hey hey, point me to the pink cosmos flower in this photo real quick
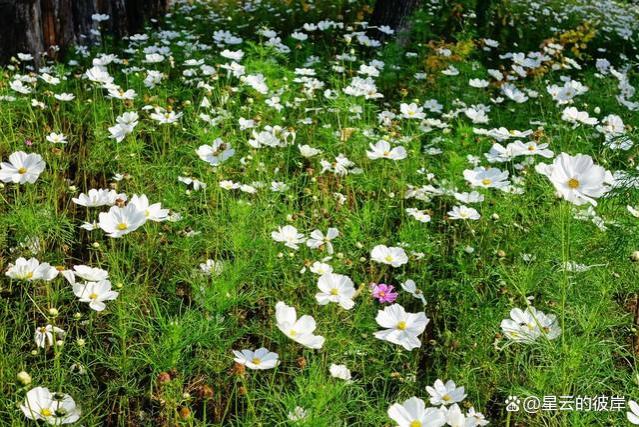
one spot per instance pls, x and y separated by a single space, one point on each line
384 293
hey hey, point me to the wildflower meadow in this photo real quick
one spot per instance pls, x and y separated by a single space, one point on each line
279 213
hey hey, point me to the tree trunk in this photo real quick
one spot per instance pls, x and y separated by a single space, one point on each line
482 10
393 13
45 26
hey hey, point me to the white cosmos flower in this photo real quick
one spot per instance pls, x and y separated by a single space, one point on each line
95 293
99 74
463 212
299 330
152 212
478 83
165 117
44 335
98 197
31 269
259 359
318 239
530 148
412 111
572 115
633 414
340 371
401 328
529 324
382 150
120 221
215 153
456 418
257 82
212 267
64 96
289 236
320 268
53 408
419 215
336 288
124 125
445 394
576 178
472 197
85 272
411 287
413 413
392 256
22 168
487 178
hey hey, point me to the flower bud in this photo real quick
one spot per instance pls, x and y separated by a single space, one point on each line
24 378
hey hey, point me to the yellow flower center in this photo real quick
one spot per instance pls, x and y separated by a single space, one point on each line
334 291
416 423
486 181
46 412
122 226
22 170
401 325
447 398
256 361
573 183
93 295
292 332
388 258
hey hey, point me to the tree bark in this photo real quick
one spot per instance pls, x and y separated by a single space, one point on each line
393 13
46 26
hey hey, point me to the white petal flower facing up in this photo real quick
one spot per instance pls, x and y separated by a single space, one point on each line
445 394
289 236
393 256
22 168
57 138
336 288
463 212
487 178
413 413
120 221
98 197
152 212
259 359
340 371
85 272
401 328
215 153
318 239
30 270
456 418
576 178
529 324
299 330
95 293
382 150
53 408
